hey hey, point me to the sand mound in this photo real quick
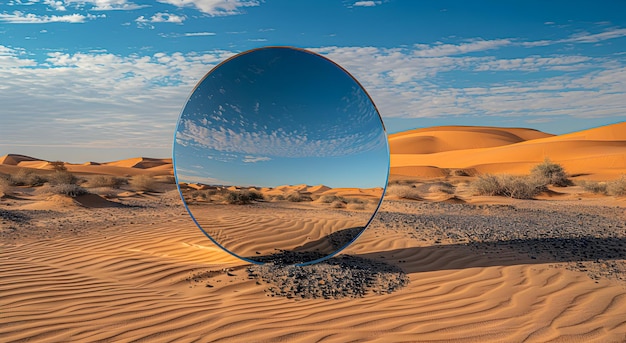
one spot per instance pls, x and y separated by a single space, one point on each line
596 153
15 159
141 162
447 138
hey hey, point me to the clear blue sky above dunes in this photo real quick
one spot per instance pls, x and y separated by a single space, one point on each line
102 80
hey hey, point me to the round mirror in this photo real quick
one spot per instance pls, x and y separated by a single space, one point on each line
281 156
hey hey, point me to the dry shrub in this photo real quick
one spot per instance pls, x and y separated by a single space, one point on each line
328 199
518 187
404 191
68 189
25 177
62 178
552 173
107 181
443 187
143 183
5 185
617 187
243 197
297 197
338 204
594 186
356 206
278 197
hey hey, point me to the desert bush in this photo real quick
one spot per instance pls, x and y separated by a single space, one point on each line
356 206
243 197
5 185
143 183
68 189
338 204
553 173
328 199
487 184
617 187
278 197
297 197
107 181
404 191
25 177
443 187
518 187
593 186
62 178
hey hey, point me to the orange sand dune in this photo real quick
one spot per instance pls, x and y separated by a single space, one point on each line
128 167
598 153
141 162
447 138
15 159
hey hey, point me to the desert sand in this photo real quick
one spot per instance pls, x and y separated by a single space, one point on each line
125 264
596 154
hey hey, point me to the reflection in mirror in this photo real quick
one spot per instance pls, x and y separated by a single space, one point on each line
281 156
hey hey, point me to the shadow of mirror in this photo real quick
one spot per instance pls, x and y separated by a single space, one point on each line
279 149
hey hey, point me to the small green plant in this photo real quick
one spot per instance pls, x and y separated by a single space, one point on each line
552 173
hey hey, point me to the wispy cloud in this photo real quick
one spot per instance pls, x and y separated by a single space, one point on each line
96 5
197 34
438 50
214 7
367 3
255 159
275 143
160 18
18 17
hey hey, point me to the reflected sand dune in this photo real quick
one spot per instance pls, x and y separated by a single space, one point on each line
310 221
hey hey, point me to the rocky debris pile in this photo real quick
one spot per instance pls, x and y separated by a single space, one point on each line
339 277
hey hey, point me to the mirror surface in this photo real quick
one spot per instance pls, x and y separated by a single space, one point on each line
280 156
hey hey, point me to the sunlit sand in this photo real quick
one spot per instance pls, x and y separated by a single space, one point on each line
126 263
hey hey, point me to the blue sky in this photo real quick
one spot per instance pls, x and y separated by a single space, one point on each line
280 116
106 79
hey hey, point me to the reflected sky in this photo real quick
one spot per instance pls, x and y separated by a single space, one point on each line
277 116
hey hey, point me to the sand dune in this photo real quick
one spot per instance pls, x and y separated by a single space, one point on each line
132 166
598 153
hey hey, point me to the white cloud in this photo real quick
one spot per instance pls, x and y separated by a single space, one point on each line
255 159
166 18
159 18
276 143
104 5
366 3
18 17
214 7
196 34
439 50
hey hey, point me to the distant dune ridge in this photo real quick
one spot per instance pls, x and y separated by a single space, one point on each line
598 153
131 166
